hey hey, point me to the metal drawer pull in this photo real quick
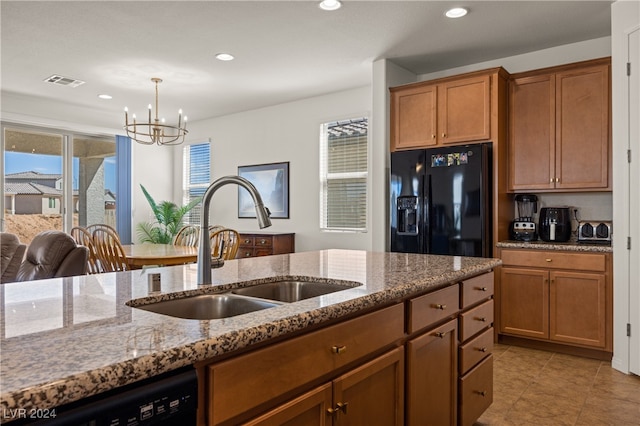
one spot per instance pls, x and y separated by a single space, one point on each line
440 334
263 241
482 288
481 393
338 349
481 319
482 349
439 306
548 260
340 406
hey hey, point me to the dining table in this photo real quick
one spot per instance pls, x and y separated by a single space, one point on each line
139 255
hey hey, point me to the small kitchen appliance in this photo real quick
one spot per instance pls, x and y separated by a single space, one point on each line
595 231
523 228
555 224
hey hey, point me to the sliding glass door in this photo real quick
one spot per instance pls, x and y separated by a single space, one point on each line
55 180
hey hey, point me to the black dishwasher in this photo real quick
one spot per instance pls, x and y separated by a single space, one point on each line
168 399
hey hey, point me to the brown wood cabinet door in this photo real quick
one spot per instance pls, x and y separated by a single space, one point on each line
464 110
577 308
372 394
432 375
413 117
582 128
532 133
309 409
524 302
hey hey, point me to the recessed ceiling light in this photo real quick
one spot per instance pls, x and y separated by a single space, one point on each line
456 12
224 57
330 5
105 96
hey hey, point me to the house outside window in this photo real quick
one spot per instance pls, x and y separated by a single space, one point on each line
344 163
196 177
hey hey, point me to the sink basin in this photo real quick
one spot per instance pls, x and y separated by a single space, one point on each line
208 306
291 290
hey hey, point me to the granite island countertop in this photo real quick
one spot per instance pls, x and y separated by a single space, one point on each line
69 338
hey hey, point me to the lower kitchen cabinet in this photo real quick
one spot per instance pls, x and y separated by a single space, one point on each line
432 375
558 297
476 391
368 395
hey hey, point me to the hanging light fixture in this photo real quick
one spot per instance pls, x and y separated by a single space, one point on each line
156 131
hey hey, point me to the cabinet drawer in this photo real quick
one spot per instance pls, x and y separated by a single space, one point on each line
245 252
555 259
475 289
476 392
475 350
262 241
247 381
476 319
426 310
246 241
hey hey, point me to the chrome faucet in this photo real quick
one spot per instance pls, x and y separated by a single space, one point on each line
204 247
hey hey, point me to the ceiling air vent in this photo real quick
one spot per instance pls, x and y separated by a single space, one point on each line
64 81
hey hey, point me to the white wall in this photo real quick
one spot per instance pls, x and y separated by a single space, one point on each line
287 132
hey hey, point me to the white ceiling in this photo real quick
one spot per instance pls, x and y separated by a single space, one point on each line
284 50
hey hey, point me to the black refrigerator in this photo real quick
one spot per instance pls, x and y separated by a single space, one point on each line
441 201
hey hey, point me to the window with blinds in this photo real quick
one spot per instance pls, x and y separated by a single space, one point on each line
343 175
196 177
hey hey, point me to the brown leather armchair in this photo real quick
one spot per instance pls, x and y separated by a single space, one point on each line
53 254
10 257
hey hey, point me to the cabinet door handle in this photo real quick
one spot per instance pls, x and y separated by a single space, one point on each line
342 406
439 306
444 135
441 334
557 180
550 180
433 136
338 349
481 393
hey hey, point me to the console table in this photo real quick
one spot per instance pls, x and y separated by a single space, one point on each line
265 243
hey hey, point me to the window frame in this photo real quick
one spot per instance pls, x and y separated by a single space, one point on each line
187 186
326 177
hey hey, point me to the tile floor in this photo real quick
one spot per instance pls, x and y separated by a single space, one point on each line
533 387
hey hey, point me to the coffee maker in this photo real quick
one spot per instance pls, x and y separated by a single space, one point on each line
523 228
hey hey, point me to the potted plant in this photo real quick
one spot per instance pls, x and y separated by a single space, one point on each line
168 220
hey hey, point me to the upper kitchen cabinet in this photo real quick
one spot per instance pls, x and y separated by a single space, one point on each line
451 110
559 128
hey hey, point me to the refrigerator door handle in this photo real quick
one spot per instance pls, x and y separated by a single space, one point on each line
426 214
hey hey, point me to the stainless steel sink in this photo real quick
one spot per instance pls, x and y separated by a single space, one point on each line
291 290
208 306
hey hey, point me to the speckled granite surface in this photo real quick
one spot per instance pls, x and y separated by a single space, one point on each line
65 339
571 245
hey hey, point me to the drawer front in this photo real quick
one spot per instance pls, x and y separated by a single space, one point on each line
246 240
476 392
426 310
261 241
267 373
475 350
262 251
245 252
555 259
476 319
476 289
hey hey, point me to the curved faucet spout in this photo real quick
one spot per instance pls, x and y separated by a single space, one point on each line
204 247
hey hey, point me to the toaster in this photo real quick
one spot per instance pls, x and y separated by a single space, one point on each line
595 231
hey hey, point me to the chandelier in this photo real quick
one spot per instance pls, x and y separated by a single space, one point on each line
155 131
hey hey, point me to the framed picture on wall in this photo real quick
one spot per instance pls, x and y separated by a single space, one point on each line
272 182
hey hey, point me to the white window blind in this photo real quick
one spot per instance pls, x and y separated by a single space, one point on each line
196 177
343 175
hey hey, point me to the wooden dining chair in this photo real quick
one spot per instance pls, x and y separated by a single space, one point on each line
108 228
109 251
231 240
84 238
188 235
213 229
